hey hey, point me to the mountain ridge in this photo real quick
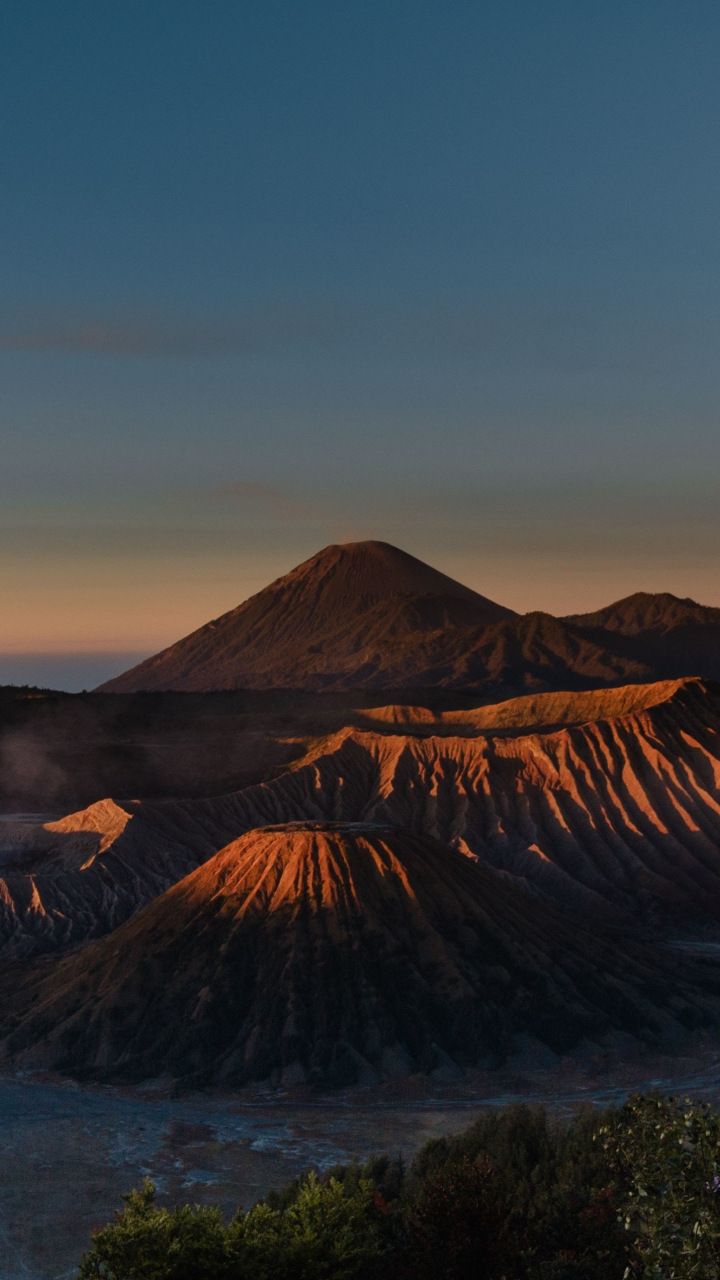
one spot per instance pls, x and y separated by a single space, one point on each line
643 610
367 615
605 802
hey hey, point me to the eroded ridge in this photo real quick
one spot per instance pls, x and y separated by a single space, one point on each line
620 813
336 953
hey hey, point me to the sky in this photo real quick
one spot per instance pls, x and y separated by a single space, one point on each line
278 275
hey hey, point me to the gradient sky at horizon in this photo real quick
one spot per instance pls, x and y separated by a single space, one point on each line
279 275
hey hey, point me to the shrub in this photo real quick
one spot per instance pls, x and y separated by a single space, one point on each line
146 1242
634 1193
667 1154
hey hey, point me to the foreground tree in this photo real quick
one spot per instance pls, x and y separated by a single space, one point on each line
147 1242
458 1226
324 1234
667 1155
518 1196
327 1232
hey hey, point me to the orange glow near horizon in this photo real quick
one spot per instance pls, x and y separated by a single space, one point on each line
59 605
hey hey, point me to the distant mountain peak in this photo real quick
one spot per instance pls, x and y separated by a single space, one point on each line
378 570
655 597
367 615
648 611
349 615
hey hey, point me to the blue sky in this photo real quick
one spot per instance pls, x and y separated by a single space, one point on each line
276 275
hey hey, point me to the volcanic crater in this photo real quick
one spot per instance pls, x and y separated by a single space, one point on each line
468 836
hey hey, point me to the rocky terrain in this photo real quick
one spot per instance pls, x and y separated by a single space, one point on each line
368 616
336 953
365 877
610 806
65 881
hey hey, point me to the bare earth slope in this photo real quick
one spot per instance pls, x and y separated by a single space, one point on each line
368 616
613 807
539 712
623 810
63 882
335 953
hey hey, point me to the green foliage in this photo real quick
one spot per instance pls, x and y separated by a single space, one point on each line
146 1242
324 1234
668 1154
327 1232
633 1193
458 1224
538 1201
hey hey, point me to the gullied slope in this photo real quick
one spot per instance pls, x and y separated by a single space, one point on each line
335 953
621 813
63 882
539 712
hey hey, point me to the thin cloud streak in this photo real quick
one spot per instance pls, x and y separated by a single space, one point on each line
265 328
518 332
278 502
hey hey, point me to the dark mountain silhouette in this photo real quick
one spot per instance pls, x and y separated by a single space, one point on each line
646 612
668 635
335 953
366 615
343 617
